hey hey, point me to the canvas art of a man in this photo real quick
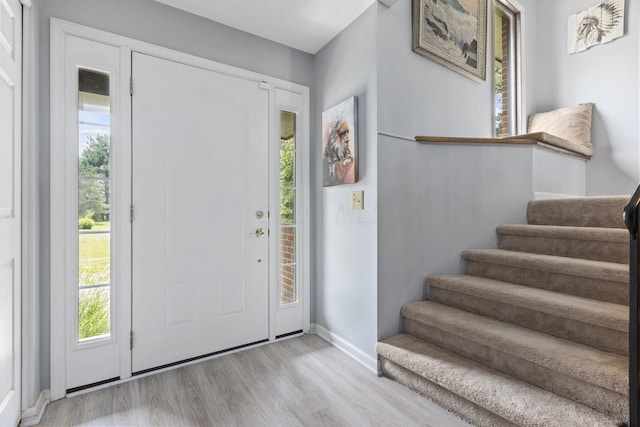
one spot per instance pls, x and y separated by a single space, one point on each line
339 162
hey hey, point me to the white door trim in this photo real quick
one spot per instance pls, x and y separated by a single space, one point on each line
59 259
31 392
11 213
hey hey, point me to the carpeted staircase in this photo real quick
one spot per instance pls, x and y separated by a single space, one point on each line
536 332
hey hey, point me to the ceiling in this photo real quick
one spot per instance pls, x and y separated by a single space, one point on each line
306 25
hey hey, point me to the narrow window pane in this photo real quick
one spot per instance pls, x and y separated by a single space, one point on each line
94 313
501 64
287 168
288 245
94 187
93 266
288 194
288 288
95 145
288 206
505 69
499 100
288 130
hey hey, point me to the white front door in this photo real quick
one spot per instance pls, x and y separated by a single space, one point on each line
200 212
10 212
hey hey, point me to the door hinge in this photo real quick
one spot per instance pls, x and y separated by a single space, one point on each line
131 213
264 85
131 340
130 86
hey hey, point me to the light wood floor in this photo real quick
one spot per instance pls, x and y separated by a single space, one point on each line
302 381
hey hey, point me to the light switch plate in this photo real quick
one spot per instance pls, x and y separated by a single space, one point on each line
357 200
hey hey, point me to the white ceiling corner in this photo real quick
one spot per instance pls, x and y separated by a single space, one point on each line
305 25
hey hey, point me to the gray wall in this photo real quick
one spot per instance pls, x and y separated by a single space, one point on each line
345 247
436 200
606 75
155 23
420 97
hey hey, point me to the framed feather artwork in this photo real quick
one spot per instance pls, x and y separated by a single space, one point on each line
596 25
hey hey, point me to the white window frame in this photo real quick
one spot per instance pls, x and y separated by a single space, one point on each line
284 317
516 102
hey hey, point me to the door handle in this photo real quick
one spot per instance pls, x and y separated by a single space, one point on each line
259 232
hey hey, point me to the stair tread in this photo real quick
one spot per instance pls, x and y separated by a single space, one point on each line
605 314
582 211
515 400
603 270
599 234
588 364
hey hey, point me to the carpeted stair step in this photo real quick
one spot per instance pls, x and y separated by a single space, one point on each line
578 212
598 324
593 243
598 280
483 396
583 374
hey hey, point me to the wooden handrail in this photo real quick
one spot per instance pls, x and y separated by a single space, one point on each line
472 140
541 139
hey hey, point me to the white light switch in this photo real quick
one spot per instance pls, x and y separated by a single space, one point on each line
357 200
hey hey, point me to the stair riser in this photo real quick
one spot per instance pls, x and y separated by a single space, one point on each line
578 213
596 336
513 400
458 405
602 400
617 252
598 289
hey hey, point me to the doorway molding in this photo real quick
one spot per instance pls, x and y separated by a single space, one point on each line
59 258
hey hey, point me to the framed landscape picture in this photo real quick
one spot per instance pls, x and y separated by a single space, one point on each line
452 33
340 144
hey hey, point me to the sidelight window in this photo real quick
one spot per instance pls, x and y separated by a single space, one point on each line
288 214
94 230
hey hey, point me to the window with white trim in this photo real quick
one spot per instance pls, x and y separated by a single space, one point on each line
94 234
506 72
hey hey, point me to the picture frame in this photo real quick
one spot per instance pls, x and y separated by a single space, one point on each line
452 33
596 25
340 143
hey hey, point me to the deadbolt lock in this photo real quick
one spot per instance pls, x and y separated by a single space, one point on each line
259 214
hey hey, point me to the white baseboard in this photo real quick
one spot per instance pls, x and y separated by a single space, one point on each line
366 360
32 416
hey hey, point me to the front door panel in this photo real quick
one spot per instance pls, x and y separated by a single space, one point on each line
200 262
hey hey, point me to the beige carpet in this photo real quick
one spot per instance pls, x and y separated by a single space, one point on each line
536 332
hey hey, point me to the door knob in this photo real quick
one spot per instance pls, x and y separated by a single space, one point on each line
259 232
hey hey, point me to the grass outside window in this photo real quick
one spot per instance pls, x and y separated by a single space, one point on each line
94 269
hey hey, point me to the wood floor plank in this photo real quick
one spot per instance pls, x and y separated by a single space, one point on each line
301 381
